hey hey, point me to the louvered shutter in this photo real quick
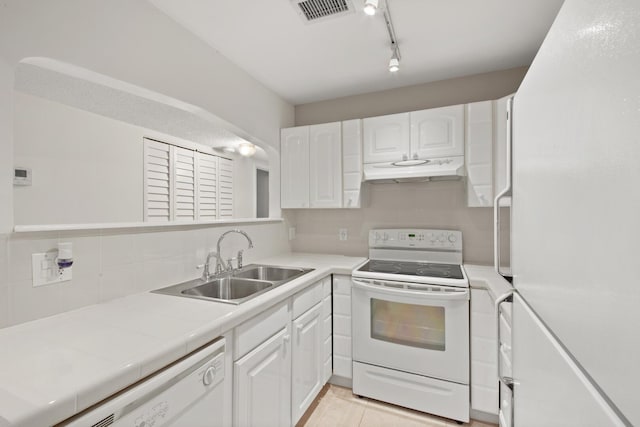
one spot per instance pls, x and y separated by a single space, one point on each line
157 181
184 184
225 188
207 187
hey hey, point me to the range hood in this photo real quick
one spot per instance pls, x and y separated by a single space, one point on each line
415 170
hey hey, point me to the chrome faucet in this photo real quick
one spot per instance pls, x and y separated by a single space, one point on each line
206 274
220 263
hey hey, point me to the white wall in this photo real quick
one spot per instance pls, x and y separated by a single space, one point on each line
134 42
88 168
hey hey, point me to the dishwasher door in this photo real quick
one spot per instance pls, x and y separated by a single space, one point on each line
190 392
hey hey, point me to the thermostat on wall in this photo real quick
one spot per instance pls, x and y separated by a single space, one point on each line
21 176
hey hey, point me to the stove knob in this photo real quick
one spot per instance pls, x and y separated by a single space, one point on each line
385 237
376 236
452 238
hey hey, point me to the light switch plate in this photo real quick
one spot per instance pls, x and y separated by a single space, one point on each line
45 270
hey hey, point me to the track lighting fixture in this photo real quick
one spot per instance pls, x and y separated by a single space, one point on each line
394 64
370 7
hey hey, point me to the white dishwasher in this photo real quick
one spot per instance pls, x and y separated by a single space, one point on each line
190 392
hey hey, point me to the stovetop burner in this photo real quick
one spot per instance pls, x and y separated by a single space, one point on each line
444 271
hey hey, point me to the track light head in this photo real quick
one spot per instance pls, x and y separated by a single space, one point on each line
370 7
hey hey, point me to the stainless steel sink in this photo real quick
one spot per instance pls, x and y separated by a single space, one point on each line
270 273
238 286
228 288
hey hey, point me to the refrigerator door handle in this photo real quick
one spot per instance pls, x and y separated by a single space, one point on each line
504 193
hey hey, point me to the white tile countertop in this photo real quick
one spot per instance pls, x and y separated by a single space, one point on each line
485 277
53 368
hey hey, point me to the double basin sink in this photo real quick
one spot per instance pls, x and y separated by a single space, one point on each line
236 286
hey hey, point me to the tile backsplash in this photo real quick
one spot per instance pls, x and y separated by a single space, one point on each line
438 205
113 263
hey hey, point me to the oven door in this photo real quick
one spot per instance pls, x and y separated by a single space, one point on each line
422 329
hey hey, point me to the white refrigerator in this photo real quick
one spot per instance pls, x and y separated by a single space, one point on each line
575 252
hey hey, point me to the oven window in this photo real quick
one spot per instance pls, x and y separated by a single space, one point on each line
408 324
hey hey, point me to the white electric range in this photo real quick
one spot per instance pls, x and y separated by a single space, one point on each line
410 321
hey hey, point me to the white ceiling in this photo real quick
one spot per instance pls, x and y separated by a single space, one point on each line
348 54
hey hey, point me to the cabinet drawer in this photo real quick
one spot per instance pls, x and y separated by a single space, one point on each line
255 331
304 300
342 305
342 285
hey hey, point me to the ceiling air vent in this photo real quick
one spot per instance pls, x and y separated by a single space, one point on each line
316 10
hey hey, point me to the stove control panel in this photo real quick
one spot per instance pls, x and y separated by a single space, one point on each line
405 238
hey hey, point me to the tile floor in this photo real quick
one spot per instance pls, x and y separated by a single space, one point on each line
339 407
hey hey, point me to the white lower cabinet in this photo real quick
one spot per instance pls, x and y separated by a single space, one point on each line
342 329
262 383
282 364
484 364
307 362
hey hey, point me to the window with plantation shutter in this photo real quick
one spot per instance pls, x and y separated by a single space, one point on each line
185 185
184 182
207 187
157 181
225 188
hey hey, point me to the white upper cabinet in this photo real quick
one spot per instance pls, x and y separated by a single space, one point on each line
386 138
294 161
325 170
311 167
351 163
479 154
437 132
501 155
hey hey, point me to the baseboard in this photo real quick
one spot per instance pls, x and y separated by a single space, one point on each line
341 381
485 417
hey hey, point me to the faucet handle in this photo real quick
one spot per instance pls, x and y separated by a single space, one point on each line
240 252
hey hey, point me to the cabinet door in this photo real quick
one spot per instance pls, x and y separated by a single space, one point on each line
325 166
351 162
262 384
307 363
294 163
484 364
500 156
479 154
342 359
386 138
437 132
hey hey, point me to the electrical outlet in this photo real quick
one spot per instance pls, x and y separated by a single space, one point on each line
46 271
342 234
292 233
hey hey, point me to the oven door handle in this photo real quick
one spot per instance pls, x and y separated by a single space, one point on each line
458 294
